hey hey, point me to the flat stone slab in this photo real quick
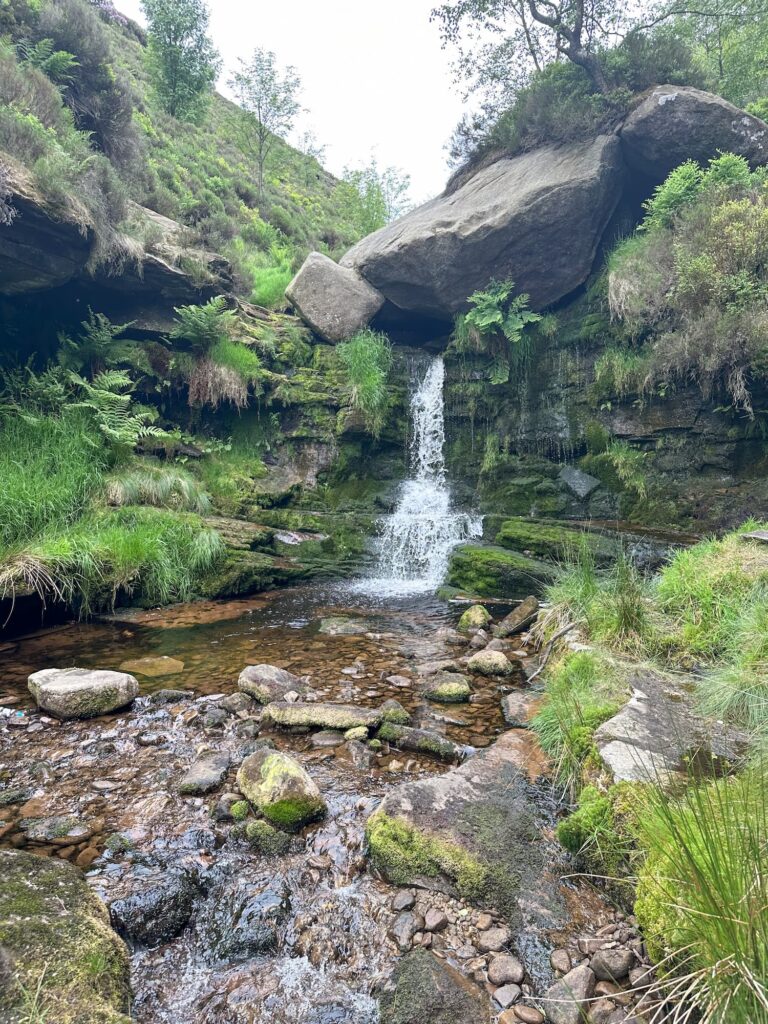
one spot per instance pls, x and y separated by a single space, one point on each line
205 774
81 692
267 683
153 667
658 733
322 716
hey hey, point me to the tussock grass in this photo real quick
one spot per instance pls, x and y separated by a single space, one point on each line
366 360
157 485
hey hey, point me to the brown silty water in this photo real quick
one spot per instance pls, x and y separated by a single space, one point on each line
303 937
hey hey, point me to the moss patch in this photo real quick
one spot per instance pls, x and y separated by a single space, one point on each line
496 572
267 840
553 541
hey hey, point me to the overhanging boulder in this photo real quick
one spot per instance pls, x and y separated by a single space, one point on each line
536 218
334 301
676 123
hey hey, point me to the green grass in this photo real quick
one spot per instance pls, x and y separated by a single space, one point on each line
702 898
366 360
239 358
50 469
144 482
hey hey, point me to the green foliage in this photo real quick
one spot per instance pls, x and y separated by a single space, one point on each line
108 399
703 892
374 196
95 347
204 326
148 483
366 360
584 690
182 59
58 65
239 358
620 373
495 325
694 277
602 829
50 469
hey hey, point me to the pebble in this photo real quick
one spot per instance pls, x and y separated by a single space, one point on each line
493 940
560 961
403 900
507 995
528 1015
404 928
435 920
484 921
504 969
612 964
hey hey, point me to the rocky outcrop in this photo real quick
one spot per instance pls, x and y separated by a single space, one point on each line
53 929
334 301
80 692
675 123
536 218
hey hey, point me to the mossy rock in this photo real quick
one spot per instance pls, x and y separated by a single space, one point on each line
497 572
277 786
393 711
475 617
427 990
246 572
420 741
322 716
447 688
57 934
554 541
266 839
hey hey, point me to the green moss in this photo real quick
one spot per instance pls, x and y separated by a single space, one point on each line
419 740
375 745
267 840
240 810
475 617
602 830
447 688
553 540
58 933
496 572
402 853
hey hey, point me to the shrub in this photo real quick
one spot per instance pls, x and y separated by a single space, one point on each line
366 360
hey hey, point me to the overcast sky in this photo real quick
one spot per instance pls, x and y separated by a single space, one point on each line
375 78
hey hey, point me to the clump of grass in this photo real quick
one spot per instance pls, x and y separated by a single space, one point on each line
582 691
161 486
239 358
738 691
50 469
154 555
703 897
366 360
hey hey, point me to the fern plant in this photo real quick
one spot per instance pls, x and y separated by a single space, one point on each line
204 326
58 65
95 348
108 399
495 325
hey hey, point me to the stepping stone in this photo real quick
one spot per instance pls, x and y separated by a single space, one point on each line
81 692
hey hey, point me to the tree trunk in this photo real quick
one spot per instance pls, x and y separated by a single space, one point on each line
592 66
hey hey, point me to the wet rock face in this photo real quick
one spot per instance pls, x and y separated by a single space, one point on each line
81 693
677 123
424 988
536 218
52 928
238 924
280 789
334 301
205 774
159 912
267 683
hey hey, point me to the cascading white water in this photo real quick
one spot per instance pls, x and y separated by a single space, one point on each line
418 537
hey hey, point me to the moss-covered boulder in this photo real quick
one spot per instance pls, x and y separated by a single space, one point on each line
554 541
495 572
475 617
56 936
392 711
81 692
277 786
447 688
322 716
421 741
427 989
474 831
266 683
490 663
266 839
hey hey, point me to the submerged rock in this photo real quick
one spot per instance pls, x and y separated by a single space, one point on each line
266 839
154 667
392 711
238 924
53 928
343 625
81 692
447 688
426 989
322 716
267 683
277 786
334 301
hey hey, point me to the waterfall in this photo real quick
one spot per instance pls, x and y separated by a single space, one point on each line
417 539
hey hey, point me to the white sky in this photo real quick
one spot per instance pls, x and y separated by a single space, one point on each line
375 78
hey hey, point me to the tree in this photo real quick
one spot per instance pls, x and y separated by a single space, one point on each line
314 154
267 105
375 197
182 59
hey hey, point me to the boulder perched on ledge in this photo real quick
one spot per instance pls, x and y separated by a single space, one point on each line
334 301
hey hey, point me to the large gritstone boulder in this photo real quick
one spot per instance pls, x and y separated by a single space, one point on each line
675 123
334 301
81 692
536 218
53 930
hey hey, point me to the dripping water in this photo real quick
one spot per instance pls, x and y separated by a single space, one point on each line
417 539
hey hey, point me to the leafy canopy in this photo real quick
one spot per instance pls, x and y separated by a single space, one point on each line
183 61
